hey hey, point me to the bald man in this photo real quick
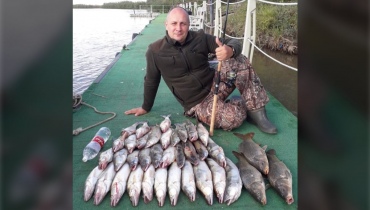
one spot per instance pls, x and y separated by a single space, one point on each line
181 59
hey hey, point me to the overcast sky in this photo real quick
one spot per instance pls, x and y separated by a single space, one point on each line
100 2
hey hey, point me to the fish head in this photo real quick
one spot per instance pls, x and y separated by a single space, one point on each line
285 190
257 190
262 164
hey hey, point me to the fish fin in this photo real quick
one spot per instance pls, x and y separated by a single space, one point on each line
271 152
237 154
264 147
267 186
244 136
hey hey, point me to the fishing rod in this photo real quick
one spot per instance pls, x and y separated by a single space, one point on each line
215 97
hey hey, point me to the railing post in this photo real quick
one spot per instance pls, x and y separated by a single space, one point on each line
250 30
218 21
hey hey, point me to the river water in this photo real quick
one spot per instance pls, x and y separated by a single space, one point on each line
98 34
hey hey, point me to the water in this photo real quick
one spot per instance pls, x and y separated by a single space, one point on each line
98 34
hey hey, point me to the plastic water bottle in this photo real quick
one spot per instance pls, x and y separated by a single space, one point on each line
95 145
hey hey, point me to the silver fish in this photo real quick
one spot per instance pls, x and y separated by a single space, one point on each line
169 155
203 133
141 142
188 181
90 182
180 156
104 183
203 180
118 186
144 158
201 149
234 183
133 159
131 129
134 185
280 177
165 124
156 153
144 129
166 138
174 183
181 131
190 153
252 179
218 178
160 185
148 183
154 136
216 152
175 139
254 154
105 158
119 143
119 158
192 130
130 143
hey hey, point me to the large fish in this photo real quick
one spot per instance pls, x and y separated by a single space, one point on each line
141 142
134 185
144 158
160 185
181 131
252 179
188 181
104 184
90 182
144 129
203 133
203 180
156 153
169 156
148 183
166 138
280 177
192 130
180 156
254 154
154 136
118 186
190 153
174 183
130 143
133 159
105 158
234 183
165 124
119 143
131 129
201 149
218 178
119 158
216 152
175 139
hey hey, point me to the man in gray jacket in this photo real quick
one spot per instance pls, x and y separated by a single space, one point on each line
181 58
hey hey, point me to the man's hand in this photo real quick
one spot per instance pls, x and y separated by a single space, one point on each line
137 111
223 51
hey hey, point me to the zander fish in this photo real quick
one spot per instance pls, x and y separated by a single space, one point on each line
133 159
134 185
190 153
252 179
160 185
148 183
105 158
192 130
168 157
201 149
154 136
156 153
180 156
254 154
165 124
144 129
280 177
188 181
90 182
119 158
104 184
175 139
174 183
144 158
130 143
166 138
216 152
203 133
218 178
118 186
203 180
234 183
181 131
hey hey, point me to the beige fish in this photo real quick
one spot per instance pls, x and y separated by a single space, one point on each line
181 131
148 183
165 124
131 129
119 183
154 136
203 133
156 153
201 149
145 159
141 142
188 181
192 130
203 180
174 183
134 185
160 185
166 138
218 178
104 184
234 183
119 158
105 158
216 152
169 156
133 159
119 143
91 181
144 129
130 143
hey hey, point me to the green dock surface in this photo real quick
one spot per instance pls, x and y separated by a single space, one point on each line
122 89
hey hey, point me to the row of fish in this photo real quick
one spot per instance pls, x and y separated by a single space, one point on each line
254 162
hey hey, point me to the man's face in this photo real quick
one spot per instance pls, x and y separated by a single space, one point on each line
177 24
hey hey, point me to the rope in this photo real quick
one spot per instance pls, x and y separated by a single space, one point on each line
78 101
276 3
